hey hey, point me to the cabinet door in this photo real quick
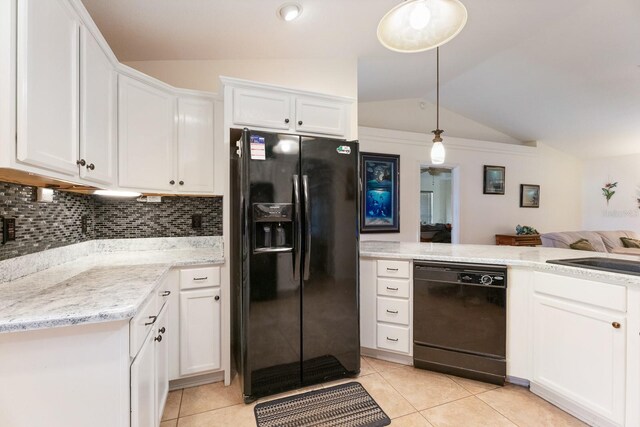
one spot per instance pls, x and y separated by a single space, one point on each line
321 116
195 145
146 136
163 335
262 108
579 352
47 79
143 381
199 330
98 113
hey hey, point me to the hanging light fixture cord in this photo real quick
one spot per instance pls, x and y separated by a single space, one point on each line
438 131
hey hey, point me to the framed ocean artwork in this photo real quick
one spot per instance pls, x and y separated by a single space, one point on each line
380 201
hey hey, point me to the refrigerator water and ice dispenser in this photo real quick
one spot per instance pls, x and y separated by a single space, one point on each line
273 227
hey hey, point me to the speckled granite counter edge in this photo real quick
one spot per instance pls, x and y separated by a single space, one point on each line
582 273
15 268
121 313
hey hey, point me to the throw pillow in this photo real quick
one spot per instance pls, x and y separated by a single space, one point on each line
582 245
628 242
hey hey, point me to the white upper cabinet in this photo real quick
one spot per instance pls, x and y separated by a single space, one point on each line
321 116
195 145
262 108
98 112
47 85
258 105
146 136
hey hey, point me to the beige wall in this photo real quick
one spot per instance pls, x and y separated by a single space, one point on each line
482 216
623 210
332 77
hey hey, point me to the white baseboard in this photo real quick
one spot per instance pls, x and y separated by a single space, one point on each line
196 380
387 355
571 407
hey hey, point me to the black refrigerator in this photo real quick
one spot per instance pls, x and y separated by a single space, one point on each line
294 258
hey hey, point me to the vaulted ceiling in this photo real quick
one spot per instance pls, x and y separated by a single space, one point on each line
563 72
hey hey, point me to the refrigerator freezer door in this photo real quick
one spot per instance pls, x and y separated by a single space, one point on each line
272 293
330 319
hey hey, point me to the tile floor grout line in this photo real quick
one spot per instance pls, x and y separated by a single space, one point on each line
509 419
397 391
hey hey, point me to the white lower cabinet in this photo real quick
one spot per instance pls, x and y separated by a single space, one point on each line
386 306
143 392
579 348
199 330
150 375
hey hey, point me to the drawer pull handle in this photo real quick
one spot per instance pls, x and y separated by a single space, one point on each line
616 325
392 289
392 269
392 339
162 330
392 312
200 278
166 293
152 321
158 338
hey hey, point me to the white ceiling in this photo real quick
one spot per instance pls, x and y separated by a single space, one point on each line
563 72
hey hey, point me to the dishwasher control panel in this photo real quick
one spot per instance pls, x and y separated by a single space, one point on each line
481 278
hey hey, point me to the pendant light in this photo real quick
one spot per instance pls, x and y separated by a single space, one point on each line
437 149
419 25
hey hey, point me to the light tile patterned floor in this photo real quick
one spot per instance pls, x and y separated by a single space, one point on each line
410 397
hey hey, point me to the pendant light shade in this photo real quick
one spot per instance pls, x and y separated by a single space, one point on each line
419 25
437 153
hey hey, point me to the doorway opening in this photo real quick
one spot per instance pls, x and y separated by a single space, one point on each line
437 207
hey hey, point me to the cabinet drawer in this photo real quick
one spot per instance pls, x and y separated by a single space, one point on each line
393 287
195 278
394 338
393 311
141 324
393 269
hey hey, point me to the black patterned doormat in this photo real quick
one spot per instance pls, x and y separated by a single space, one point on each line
345 405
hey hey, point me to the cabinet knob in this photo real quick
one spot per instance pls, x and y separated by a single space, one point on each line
91 166
181 183
616 325
158 338
172 182
299 122
217 297
81 162
286 120
162 330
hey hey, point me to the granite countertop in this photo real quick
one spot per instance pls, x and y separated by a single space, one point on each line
97 287
521 256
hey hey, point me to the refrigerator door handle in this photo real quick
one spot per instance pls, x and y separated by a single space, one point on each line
307 226
297 250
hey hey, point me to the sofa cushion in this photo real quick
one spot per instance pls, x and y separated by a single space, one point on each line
611 239
628 242
566 238
582 245
626 251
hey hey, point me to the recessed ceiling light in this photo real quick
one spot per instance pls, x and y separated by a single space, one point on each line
289 11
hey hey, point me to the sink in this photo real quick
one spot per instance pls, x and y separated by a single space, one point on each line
613 265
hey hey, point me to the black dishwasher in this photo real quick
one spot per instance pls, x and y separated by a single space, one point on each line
459 319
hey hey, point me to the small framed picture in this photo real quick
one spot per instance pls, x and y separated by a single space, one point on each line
494 179
380 193
529 196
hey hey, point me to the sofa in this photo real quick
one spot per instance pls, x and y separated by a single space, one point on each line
602 241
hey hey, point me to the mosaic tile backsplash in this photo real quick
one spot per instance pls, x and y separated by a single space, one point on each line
41 226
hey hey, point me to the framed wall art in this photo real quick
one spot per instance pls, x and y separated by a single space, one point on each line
379 207
529 196
494 179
